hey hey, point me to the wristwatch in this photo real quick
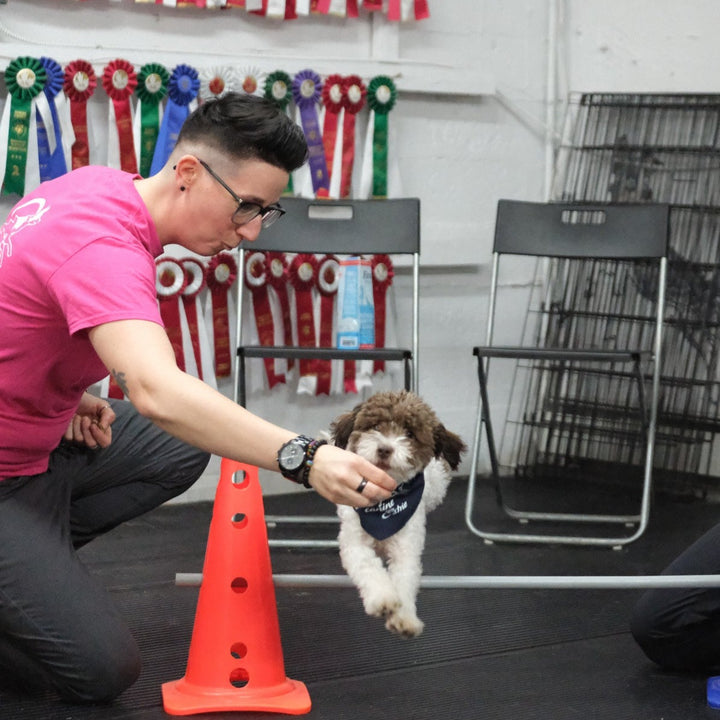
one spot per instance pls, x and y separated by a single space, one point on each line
291 458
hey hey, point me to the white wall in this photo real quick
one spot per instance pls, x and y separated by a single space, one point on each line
471 126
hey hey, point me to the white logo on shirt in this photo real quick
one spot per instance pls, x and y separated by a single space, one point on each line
22 216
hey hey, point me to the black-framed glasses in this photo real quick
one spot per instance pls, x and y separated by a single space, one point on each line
247 210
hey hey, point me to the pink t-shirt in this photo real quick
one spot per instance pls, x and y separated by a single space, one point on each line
75 253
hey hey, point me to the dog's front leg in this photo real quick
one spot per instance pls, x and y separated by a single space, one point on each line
364 567
404 550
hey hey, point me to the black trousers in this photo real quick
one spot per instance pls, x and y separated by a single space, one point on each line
679 629
59 628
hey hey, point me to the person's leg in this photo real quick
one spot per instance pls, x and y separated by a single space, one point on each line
142 468
679 629
58 629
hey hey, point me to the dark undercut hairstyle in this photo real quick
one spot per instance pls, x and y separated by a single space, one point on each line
247 127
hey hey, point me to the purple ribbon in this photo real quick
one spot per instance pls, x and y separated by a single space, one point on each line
307 91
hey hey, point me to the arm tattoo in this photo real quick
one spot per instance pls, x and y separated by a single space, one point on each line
120 380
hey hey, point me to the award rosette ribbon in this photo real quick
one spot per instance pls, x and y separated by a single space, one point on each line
277 276
306 91
51 147
80 84
119 81
327 283
333 93
152 87
169 283
216 82
194 283
353 101
183 88
25 79
278 89
256 273
303 274
251 80
382 276
381 97
220 275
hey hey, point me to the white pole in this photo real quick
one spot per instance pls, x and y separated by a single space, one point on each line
485 582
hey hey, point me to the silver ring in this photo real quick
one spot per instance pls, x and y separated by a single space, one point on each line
361 486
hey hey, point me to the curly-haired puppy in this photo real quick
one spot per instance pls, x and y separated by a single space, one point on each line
381 547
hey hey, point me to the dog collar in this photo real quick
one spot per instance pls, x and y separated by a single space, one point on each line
387 517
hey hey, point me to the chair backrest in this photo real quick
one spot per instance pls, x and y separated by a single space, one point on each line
588 230
344 227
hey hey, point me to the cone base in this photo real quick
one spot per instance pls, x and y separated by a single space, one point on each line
182 698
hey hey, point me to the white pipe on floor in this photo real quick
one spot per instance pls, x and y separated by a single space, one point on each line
484 582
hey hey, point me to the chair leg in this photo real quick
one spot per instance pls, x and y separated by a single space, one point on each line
641 519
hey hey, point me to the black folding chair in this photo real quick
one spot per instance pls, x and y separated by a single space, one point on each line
630 241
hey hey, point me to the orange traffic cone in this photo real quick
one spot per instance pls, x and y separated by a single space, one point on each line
235 660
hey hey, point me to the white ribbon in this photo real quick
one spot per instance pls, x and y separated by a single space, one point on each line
276 9
32 167
302 7
67 132
338 7
251 5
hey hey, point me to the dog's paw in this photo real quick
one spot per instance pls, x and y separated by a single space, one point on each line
405 625
381 606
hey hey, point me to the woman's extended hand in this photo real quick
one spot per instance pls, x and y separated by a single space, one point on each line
339 476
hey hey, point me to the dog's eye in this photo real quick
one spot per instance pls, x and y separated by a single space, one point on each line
409 434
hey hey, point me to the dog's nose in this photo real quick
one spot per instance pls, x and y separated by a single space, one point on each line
384 452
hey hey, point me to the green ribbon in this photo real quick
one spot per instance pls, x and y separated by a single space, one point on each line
152 87
278 89
381 97
25 78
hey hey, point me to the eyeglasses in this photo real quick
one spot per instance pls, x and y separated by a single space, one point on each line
246 210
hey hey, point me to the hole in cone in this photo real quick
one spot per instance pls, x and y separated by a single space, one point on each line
240 478
238 650
239 520
239 585
239 677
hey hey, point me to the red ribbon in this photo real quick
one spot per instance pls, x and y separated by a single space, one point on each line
303 275
333 93
256 282
328 279
170 282
352 9
220 275
277 276
353 101
80 83
382 274
422 11
194 283
120 80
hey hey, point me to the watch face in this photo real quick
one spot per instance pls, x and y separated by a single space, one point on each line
292 456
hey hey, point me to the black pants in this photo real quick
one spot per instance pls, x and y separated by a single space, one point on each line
679 629
58 628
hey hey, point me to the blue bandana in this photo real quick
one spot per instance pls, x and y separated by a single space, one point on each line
386 518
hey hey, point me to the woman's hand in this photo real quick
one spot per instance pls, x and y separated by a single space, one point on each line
339 475
91 423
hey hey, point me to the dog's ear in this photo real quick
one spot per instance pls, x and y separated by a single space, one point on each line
342 426
448 445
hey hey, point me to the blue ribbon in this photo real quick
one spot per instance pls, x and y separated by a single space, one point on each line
183 86
391 515
52 165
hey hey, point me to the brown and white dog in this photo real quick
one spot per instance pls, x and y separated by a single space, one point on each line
381 547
